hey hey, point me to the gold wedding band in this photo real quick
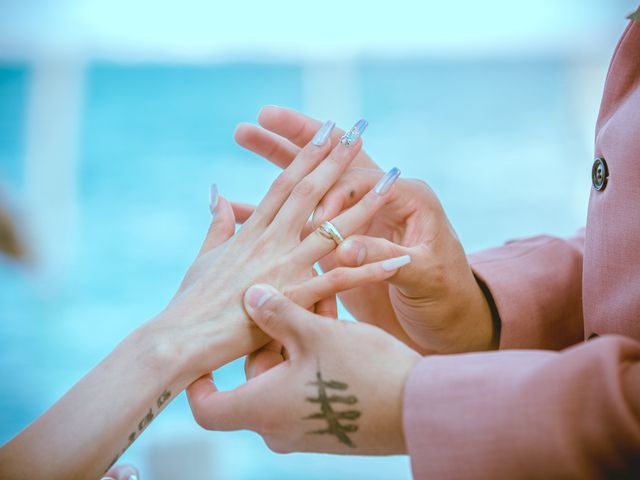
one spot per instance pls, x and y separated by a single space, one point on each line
329 231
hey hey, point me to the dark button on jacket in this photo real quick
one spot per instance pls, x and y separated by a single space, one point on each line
599 174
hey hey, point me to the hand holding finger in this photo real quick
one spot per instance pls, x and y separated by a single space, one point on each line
348 222
341 279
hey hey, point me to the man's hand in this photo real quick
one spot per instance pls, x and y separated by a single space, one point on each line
340 391
434 305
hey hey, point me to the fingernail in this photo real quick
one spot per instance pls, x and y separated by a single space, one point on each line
321 136
355 133
107 478
256 296
213 198
133 477
358 248
397 262
385 183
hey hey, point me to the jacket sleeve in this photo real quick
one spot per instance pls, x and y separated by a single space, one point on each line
523 413
536 284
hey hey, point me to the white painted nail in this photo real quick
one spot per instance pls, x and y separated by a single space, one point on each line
213 198
387 181
395 263
321 136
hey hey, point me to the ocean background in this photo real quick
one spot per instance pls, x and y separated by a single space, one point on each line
504 140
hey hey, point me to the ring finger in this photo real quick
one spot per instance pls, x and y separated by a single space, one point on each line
316 246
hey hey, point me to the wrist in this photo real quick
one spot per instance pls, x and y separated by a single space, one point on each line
475 320
189 346
161 353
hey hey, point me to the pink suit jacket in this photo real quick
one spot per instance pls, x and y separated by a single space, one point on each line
544 413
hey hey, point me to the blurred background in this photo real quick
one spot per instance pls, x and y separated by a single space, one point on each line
115 116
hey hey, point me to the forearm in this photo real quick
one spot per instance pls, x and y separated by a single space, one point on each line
83 433
538 413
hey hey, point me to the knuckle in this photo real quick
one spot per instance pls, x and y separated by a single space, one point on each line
277 446
339 277
269 314
283 183
200 416
304 188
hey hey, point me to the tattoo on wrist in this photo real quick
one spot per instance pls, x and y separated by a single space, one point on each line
144 423
332 417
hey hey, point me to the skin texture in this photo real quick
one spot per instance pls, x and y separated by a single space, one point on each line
203 327
434 305
325 397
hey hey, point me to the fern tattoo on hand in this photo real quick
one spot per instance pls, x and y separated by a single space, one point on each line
332 417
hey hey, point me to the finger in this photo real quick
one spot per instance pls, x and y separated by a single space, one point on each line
215 410
281 318
345 278
242 211
281 189
316 246
262 360
237 409
346 192
123 472
292 125
274 148
362 249
327 307
308 192
222 227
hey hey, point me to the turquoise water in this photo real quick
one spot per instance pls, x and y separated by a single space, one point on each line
499 141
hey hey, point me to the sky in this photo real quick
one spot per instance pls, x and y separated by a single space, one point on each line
205 29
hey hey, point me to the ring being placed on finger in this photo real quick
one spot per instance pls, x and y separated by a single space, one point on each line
329 231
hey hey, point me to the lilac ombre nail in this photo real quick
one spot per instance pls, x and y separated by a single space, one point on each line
355 133
385 183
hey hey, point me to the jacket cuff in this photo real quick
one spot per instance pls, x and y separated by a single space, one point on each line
536 284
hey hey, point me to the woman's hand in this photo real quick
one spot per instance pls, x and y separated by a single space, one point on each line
340 391
206 319
434 304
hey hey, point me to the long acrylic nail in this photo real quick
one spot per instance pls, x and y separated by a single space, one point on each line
321 136
213 198
355 133
385 183
395 263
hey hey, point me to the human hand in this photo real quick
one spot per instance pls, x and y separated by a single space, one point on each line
340 391
434 304
205 324
122 472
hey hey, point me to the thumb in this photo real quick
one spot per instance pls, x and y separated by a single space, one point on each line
279 317
358 250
